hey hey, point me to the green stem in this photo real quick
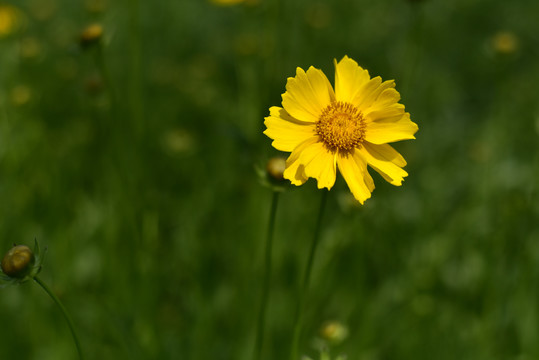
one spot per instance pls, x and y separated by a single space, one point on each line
298 322
135 90
103 69
64 312
266 280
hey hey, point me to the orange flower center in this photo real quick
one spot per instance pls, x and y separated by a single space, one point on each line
341 126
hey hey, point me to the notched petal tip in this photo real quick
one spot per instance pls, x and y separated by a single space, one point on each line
299 71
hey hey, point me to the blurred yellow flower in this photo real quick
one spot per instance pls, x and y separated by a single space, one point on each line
95 6
10 20
43 9
226 2
318 15
21 94
91 35
30 47
505 42
346 128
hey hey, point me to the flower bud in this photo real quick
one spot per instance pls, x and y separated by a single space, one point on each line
91 35
275 168
334 332
18 262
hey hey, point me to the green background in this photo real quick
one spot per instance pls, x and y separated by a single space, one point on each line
134 164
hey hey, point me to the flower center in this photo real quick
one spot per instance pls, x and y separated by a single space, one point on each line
341 126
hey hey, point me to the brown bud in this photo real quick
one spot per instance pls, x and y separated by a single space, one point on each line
18 261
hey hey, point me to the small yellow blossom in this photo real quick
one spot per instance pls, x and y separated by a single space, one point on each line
43 9
227 2
95 6
318 15
10 20
30 48
505 42
21 95
347 128
91 35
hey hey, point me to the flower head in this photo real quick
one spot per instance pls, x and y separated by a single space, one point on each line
345 128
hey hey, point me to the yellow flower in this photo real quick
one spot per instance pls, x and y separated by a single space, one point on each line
226 2
346 128
505 42
10 20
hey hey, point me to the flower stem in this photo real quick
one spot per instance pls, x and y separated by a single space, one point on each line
266 280
64 312
105 74
298 322
135 89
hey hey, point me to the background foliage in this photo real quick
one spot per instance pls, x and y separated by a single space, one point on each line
133 163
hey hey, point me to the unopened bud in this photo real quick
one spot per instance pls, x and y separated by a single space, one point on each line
334 332
275 168
18 262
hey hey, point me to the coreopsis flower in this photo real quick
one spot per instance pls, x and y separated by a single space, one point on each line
345 128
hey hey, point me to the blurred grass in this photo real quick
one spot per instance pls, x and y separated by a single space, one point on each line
154 219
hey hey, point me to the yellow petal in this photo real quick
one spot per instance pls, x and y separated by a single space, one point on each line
392 113
307 94
371 91
294 167
354 170
382 132
349 79
287 133
319 163
387 98
386 161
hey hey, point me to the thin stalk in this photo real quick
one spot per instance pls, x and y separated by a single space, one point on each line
103 69
64 312
135 89
298 322
259 342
